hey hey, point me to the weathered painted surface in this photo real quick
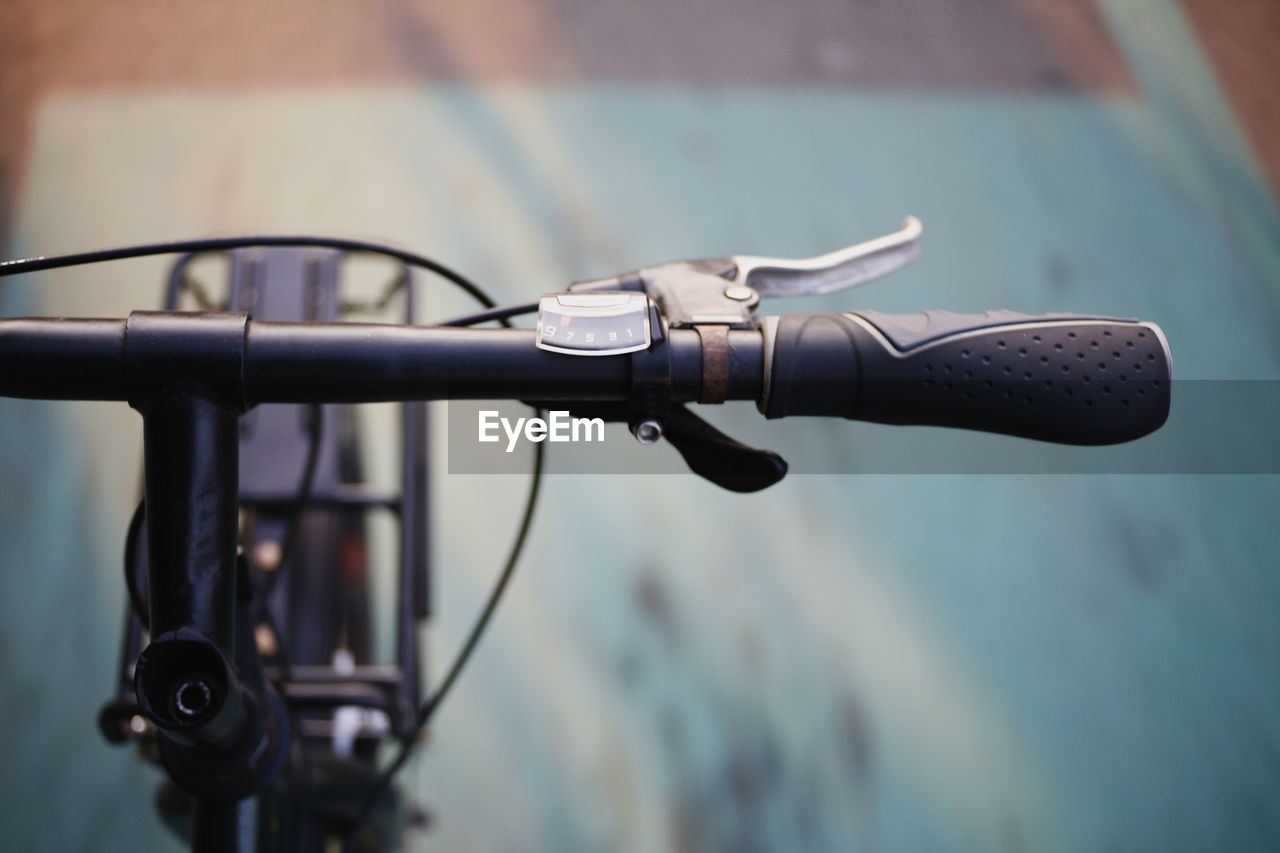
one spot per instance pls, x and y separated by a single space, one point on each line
874 662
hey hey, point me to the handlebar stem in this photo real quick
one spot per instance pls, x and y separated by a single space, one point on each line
184 374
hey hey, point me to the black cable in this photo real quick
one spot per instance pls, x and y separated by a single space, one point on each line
211 244
502 313
137 601
428 708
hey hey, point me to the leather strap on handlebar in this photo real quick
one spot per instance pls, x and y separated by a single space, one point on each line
715 363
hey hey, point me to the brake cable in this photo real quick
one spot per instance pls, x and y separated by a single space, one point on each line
213 244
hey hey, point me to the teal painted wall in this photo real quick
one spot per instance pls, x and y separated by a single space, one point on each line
880 662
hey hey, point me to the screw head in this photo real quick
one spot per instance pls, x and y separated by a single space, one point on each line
647 431
192 698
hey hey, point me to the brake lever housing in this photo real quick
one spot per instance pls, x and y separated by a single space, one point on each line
727 291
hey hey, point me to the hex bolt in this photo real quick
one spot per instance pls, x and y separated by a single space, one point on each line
192 698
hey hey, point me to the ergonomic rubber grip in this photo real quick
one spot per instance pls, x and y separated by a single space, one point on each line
1057 377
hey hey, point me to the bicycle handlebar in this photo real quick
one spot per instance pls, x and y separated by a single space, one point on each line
1063 378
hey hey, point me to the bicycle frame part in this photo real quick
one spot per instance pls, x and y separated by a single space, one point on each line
298 485
300 500
225 736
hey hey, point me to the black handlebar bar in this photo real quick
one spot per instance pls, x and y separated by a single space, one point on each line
359 363
1062 378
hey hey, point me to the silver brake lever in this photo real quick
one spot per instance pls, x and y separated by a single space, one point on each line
833 271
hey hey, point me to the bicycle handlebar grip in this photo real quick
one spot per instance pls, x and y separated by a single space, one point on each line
1065 378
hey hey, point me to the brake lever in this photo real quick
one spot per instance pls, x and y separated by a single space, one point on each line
727 291
833 271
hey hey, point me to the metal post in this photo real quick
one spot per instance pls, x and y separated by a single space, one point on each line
192 447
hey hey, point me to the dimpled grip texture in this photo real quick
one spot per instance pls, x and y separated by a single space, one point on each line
1062 378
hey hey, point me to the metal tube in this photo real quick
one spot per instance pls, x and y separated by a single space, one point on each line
343 362
62 359
191 446
358 363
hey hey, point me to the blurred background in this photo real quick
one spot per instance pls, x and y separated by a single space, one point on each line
845 662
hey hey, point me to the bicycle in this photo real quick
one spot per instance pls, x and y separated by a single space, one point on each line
256 721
